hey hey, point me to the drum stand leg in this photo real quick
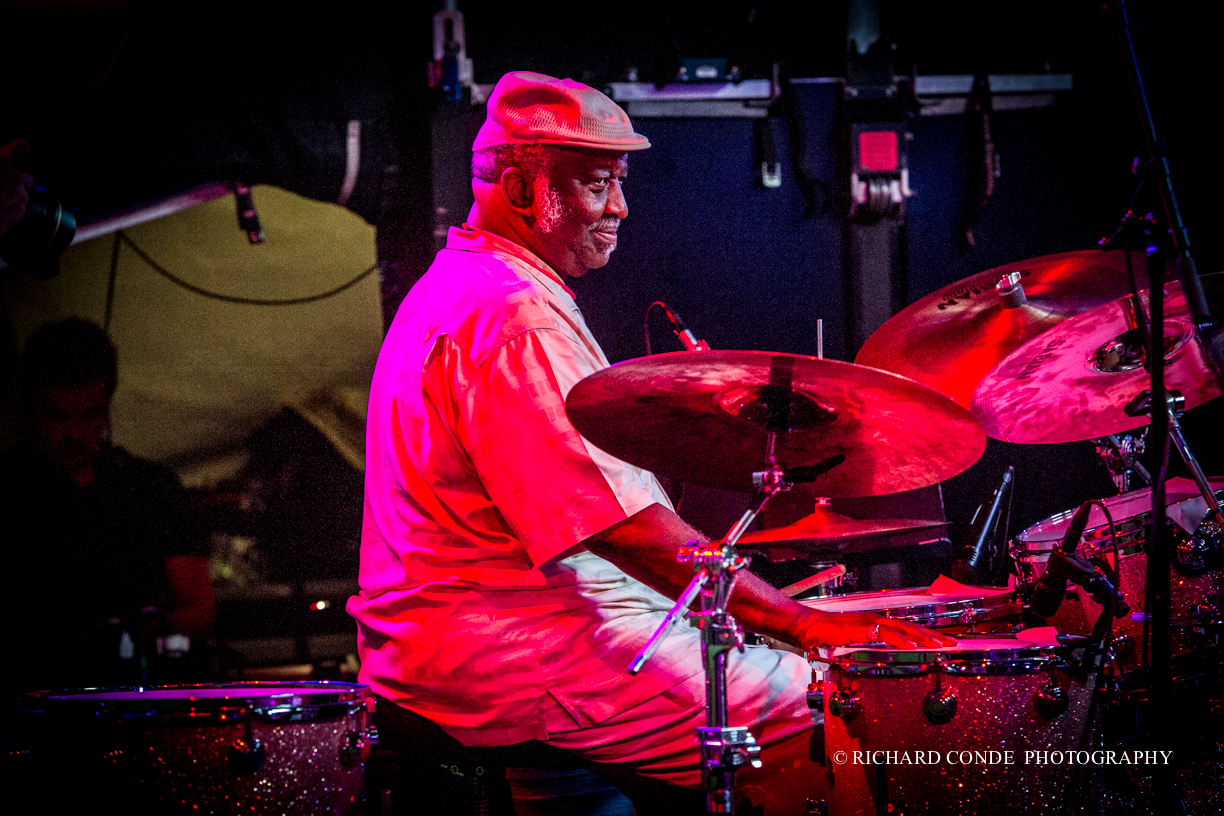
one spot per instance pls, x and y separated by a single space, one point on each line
724 749
1175 404
1179 442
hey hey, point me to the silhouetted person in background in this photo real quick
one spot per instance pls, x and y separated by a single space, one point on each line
100 546
14 184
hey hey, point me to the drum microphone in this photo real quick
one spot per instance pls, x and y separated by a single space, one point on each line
1064 565
980 562
1051 587
690 341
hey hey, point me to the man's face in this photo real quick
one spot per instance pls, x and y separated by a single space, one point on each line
71 423
578 208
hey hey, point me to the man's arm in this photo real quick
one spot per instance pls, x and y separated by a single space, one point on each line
645 546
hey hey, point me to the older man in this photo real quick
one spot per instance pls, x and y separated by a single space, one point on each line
509 569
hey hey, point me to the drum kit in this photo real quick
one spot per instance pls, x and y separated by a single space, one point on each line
1038 352
1041 351
1053 349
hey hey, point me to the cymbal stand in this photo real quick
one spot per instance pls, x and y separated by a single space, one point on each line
724 749
1175 402
1121 453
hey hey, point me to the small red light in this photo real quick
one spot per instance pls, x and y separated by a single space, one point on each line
878 151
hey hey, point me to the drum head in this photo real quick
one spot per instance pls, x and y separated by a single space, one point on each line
956 605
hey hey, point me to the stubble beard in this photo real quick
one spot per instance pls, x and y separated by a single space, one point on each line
551 209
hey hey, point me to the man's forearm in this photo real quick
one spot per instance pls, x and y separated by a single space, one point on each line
645 546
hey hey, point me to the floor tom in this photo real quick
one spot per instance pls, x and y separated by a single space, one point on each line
291 748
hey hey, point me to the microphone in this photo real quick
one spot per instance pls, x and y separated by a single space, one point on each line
982 559
1051 587
1075 530
690 341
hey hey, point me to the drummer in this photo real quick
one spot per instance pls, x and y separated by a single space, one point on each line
510 570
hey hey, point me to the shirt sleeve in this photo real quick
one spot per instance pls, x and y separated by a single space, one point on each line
553 488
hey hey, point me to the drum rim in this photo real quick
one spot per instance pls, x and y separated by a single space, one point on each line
309 700
870 660
984 608
1023 541
1127 545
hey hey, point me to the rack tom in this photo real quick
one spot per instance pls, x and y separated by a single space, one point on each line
1194 581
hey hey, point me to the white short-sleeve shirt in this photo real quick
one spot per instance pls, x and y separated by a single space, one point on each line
475 483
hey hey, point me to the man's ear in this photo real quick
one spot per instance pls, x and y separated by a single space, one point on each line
518 191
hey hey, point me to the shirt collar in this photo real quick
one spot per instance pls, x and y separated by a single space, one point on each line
474 239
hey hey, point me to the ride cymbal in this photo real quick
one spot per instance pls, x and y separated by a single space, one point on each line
702 417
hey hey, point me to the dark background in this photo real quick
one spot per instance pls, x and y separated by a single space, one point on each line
125 102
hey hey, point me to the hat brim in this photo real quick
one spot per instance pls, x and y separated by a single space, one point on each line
626 145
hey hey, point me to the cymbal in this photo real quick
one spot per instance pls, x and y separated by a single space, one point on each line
702 416
825 525
954 336
1074 381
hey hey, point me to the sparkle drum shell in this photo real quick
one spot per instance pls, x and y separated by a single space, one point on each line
986 694
261 747
966 610
1131 513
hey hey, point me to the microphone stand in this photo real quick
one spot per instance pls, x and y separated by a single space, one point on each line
1159 541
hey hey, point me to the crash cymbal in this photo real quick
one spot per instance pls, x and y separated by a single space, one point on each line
825 525
701 417
954 336
1074 381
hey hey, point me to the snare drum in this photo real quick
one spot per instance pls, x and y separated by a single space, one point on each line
966 609
946 731
263 747
1131 513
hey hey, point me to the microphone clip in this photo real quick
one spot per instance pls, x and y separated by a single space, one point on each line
1082 572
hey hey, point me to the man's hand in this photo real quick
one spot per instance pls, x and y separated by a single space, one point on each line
14 184
843 628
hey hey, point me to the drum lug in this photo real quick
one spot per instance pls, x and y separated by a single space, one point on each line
1204 613
815 696
355 746
1051 700
1120 645
245 756
1199 553
845 705
939 706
